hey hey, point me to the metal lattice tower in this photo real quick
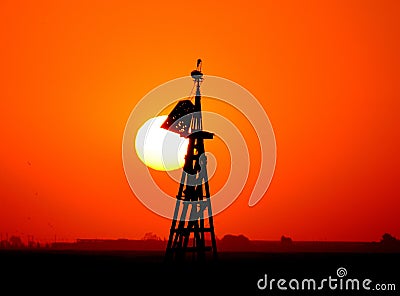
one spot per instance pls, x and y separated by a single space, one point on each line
192 225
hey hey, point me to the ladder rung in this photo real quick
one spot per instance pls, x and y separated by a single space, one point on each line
205 229
183 196
189 249
199 248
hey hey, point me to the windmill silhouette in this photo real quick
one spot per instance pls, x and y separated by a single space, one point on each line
192 225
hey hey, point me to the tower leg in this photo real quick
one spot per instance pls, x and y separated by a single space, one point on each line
181 229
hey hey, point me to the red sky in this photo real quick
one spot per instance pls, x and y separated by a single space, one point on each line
327 74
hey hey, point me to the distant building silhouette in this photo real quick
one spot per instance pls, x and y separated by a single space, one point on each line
121 244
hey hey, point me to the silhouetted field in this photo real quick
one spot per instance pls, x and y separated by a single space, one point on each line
128 272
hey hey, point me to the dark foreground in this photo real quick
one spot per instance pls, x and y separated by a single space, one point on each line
128 273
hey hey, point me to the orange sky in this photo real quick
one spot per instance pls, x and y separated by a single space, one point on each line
326 74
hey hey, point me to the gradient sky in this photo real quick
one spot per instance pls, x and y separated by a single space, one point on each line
327 74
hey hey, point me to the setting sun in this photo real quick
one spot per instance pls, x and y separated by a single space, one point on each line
158 148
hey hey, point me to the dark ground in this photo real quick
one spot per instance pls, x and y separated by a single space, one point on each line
128 272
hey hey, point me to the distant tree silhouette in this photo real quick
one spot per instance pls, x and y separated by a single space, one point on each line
4 244
235 242
150 236
16 242
388 239
286 240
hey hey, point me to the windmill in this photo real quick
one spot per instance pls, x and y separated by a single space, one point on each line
192 222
